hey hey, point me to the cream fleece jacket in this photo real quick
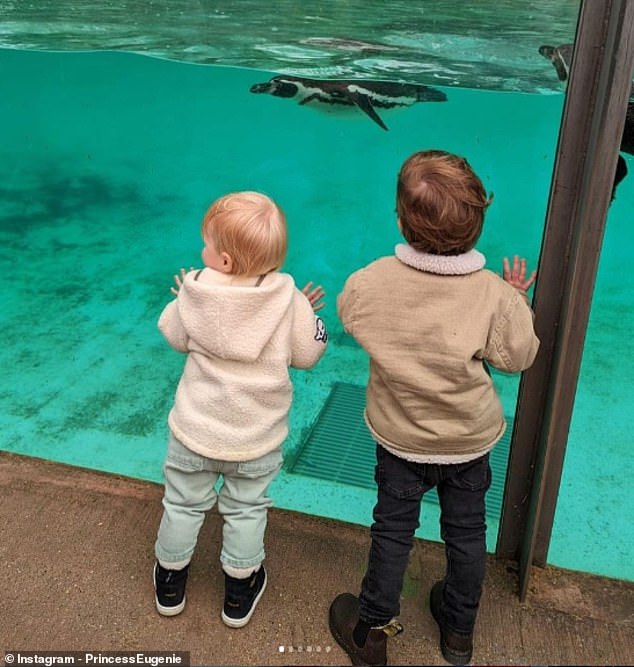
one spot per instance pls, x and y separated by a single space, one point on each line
233 398
428 323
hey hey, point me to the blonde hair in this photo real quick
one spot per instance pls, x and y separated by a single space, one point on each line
440 202
251 228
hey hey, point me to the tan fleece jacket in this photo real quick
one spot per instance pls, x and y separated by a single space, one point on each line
428 323
233 398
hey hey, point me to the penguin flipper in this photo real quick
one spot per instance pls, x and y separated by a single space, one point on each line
364 103
308 99
560 68
555 56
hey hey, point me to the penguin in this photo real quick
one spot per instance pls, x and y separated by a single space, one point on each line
561 57
365 94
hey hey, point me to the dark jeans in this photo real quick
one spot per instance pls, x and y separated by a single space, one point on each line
461 490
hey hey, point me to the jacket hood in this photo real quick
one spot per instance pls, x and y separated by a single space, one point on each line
234 322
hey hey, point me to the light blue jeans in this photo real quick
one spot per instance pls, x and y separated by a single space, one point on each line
190 492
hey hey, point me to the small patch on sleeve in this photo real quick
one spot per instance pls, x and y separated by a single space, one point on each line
320 330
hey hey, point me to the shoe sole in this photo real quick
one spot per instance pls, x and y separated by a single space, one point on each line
454 658
241 622
162 610
169 611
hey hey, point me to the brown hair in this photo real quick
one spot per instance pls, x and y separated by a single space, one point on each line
251 228
440 202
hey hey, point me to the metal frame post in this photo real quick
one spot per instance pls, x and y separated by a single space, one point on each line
589 140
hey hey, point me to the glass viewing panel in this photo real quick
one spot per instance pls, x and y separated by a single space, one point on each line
109 159
593 530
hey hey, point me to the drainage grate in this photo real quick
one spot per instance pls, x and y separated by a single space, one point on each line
340 448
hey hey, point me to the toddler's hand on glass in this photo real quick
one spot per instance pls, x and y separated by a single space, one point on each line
516 275
314 295
178 279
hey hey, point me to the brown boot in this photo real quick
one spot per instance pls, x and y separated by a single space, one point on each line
343 618
456 648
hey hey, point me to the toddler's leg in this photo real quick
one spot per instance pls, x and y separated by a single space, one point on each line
454 601
463 529
362 626
396 517
243 502
189 494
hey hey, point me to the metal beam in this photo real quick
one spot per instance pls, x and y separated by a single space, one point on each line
589 140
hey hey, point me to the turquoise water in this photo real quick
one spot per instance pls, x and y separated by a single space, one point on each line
486 44
107 163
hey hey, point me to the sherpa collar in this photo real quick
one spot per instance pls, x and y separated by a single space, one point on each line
446 265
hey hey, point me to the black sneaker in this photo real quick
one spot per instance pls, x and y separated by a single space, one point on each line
169 590
242 597
456 648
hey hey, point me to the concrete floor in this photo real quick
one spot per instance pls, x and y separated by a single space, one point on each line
76 548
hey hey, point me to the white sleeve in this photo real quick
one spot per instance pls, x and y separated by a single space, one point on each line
171 326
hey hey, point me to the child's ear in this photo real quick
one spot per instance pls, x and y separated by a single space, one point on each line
398 223
227 263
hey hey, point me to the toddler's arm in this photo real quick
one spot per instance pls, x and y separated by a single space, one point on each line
170 323
309 335
514 344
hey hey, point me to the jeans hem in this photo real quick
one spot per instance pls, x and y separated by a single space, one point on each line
166 557
375 622
242 563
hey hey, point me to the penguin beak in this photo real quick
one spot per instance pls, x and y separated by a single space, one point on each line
261 87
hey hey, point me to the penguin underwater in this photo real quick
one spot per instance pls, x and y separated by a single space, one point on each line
367 95
561 57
